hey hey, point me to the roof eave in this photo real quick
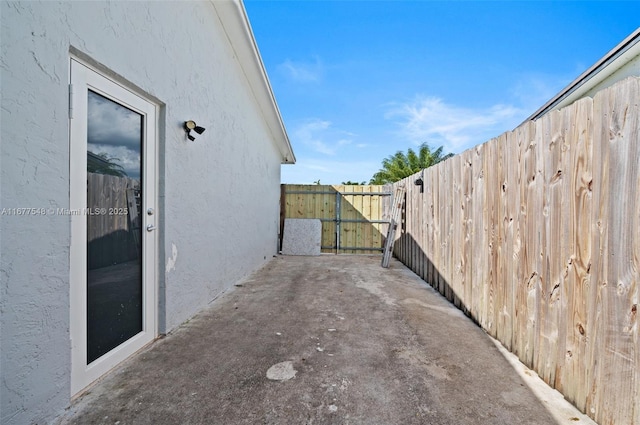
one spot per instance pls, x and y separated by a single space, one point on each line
628 49
236 26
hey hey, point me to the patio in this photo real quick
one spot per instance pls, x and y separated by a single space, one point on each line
353 343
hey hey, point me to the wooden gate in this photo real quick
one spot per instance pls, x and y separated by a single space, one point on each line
354 218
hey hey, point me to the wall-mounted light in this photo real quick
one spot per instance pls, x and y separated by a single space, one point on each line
191 125
419 182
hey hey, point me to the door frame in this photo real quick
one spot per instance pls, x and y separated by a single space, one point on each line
83 77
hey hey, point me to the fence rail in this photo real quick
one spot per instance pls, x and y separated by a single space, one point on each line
536 236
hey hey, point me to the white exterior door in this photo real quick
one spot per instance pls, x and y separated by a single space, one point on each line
113 188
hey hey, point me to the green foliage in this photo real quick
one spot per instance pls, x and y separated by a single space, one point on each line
349 182
103 164
401 165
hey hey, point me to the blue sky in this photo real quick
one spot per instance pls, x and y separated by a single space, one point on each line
356 81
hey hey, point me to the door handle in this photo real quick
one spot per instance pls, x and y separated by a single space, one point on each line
150 227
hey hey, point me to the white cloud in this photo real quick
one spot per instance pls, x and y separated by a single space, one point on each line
456 127
321 137
315 167
311 133
534 89
314 125
322 147
114 130
431 120
303 72
127 158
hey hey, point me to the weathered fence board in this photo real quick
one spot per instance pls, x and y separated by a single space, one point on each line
577 370
429 273
466 249
479 289
110 237
616 123
456 226
490 260
536 235
524 332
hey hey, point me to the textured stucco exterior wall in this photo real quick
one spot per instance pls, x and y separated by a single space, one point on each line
218 203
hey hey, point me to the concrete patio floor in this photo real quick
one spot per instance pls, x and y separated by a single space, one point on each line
360 344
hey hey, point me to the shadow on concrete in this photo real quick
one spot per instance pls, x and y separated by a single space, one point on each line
425 269
428 272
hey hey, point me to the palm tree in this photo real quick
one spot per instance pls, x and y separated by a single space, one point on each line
398 166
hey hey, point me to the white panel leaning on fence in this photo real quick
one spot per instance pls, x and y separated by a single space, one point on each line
302 236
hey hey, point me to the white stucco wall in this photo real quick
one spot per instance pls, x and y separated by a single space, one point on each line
219 195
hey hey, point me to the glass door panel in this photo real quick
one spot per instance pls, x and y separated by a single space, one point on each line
114 232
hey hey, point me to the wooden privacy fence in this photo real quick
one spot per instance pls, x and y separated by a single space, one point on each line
536 236
353 217
113 224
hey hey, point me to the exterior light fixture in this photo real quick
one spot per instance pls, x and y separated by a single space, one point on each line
191 125
419 182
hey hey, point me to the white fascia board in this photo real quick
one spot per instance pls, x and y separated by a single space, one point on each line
615 59
236 26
